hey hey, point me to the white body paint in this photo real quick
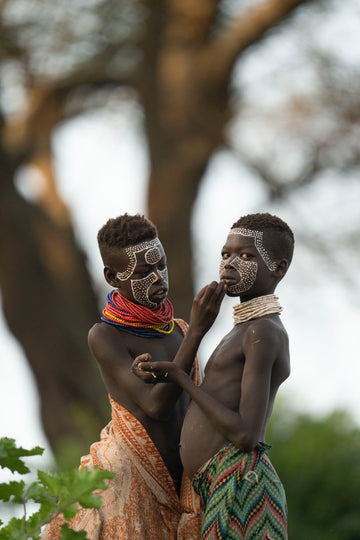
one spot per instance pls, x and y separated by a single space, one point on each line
140 287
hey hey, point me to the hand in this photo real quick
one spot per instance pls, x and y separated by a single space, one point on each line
153 372
206 306
139 372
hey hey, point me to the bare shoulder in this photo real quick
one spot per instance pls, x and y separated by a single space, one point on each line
99 332
269 327
268 336
104 340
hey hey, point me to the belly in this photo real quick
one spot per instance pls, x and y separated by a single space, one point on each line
199 440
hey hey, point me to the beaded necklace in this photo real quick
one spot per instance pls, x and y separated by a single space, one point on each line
137 319
256 307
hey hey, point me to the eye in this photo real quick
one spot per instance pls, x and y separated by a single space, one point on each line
162 265
142 272
245 256
225 255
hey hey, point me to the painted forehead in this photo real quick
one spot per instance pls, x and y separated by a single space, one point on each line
153 254
258 241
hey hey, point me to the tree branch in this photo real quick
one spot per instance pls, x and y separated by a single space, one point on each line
248 29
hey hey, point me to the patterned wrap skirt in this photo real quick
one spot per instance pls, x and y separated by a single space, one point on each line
243 496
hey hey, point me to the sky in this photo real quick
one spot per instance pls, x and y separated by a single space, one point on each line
320 313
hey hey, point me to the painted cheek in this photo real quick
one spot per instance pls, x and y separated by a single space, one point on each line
164 276
221 267
247 274
140 289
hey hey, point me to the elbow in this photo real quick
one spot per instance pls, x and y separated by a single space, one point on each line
246 441
157 413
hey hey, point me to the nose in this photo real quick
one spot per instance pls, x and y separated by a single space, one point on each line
157 275
229 262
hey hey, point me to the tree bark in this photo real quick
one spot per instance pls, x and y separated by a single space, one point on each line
184 87
49 304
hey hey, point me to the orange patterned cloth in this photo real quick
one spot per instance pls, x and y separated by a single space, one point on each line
141 502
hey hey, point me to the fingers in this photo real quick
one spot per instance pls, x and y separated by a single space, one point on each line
158 371
215 292
145 357
147 366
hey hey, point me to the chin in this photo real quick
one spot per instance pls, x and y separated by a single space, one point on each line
232 294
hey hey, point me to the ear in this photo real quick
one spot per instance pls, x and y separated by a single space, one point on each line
110 276
281 268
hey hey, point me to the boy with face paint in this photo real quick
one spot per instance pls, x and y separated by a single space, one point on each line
223 445
150 497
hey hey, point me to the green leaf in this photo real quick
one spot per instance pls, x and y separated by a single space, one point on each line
70 511
14 530
38 519
54 493
69 534
12 490
90 501
36 492
10 455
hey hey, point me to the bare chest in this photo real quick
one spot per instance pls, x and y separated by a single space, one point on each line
163 348
228 355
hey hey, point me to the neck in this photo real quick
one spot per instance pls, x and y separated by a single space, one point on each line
255 308
123 313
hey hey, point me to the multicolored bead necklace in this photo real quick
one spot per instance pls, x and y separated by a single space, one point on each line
137 319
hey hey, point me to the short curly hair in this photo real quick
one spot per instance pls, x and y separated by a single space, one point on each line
123 231
278 237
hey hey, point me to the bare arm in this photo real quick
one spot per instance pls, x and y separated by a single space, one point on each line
242 427
204 311
115 362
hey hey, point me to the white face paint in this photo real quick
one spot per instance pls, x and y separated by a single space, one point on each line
258 238
153 252
247 274
247 270
140 287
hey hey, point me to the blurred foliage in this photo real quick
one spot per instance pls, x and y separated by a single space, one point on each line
53 494
318 462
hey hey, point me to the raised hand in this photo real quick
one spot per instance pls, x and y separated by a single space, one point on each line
206 306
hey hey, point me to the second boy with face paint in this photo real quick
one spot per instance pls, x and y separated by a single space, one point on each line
223 445
149 498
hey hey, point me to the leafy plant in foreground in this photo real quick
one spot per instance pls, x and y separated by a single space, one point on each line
54 493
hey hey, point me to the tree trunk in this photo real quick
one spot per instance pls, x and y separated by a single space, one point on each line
186 111
49 304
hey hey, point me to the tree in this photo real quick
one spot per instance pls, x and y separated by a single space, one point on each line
179 59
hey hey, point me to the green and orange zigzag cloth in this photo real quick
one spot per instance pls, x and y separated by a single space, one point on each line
243 496
137 319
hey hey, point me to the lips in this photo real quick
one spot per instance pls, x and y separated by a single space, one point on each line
229 279
159 293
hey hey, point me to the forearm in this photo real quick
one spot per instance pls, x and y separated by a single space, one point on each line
187 351
164 395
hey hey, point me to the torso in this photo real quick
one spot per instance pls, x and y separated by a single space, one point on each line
164 433
222 380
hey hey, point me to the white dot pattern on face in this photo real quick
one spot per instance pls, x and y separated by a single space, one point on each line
131 252
247 274
153 255
164 276
140 289
258 237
